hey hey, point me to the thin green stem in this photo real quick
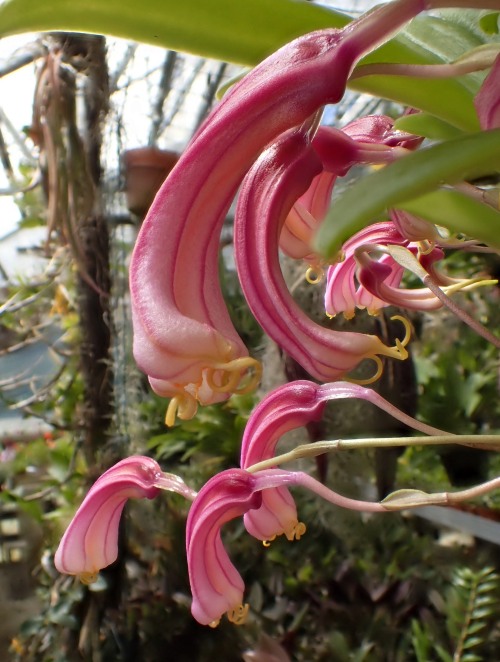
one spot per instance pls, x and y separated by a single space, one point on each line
483 442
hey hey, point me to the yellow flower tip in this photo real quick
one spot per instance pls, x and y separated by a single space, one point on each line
88 578
296 531
338 257
373 378
349 314
425 247
314 275
184 406
330 317
267 543
401 344
239 376
239 615
214 624
17 647
373 312
468 284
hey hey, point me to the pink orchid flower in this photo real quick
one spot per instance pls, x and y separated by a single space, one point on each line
282 173
183 337
367 140
343 294
216 585
367 277
284 409
90 542
376 276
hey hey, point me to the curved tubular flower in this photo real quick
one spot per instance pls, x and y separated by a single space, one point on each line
282 173
342 294
183 337
216 585
371 139
376 277
284 409
90 542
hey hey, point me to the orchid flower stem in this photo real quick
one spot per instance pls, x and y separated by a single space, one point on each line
173 483
489 197
406 259
450 70
461 313
310 483
484 442
399 500
403 499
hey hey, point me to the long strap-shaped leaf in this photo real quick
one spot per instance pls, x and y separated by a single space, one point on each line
246 32
415 175
230 30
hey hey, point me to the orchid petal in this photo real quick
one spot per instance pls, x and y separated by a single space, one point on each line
280 175
216 585
370 139
91 540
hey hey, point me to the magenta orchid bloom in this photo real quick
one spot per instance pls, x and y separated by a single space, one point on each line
183 337
216 585
90 542
343 294
282 173
284 409
367 140
367 277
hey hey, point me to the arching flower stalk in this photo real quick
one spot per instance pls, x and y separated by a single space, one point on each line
287 408
90 542
372 275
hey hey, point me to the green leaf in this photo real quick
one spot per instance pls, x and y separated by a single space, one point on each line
489 22
429 126
432 40
458 213
444 656
244 32
397 184
247 32
471 657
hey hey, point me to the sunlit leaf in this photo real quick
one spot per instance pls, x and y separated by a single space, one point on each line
247 32
429 126
458 213
243 32
418 173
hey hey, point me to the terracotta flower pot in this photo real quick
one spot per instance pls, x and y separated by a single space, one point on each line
145 170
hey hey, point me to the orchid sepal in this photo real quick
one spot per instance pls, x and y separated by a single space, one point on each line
90 542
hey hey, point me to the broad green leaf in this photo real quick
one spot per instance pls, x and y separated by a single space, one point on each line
458 213
243 32
489 23
429 126
246 32
433 40
415 175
